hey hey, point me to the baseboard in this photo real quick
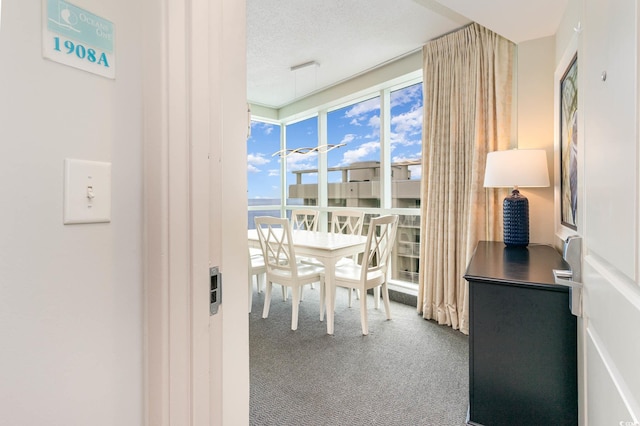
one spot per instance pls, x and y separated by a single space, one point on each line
400 297
407 299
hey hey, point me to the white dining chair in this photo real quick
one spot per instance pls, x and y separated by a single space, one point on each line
304 219
371 271
348 222
257 270
282 265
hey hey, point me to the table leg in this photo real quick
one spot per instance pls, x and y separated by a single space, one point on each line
330 291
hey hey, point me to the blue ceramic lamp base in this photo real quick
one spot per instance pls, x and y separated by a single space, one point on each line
515 211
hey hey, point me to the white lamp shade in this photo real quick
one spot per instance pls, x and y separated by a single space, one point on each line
516 168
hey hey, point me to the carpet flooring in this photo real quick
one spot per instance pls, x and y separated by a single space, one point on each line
407 371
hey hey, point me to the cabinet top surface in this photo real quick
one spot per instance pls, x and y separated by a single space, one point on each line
494 262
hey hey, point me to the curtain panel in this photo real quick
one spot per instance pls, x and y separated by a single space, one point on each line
467 113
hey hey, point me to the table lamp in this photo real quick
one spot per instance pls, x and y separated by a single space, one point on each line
512 169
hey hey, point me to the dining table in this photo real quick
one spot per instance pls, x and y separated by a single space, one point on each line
327 248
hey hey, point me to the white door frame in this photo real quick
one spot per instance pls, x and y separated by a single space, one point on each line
194 90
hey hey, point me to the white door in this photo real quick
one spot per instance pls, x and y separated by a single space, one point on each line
608 213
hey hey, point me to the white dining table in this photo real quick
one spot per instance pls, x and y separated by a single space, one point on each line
328 248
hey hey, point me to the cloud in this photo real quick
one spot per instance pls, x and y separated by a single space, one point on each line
364 107
302 161
274 172
257 159
410 121
360 153
403 157
265 128
254 161
374 124
366 113
406 129
409 95
401 140
349 137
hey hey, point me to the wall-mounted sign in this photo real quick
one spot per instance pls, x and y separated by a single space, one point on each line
78 38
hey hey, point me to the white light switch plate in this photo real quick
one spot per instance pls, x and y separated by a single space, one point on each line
87 191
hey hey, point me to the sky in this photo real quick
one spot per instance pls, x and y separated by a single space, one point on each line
357 126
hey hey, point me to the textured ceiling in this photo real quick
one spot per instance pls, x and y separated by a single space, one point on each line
517 20
349 37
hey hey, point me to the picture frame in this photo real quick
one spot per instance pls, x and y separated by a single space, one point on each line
568 91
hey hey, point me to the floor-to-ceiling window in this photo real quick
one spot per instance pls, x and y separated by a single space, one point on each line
349 156
354 166
406 171
301 162
406 145
264 188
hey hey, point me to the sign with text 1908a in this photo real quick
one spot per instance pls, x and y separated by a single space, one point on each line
78 38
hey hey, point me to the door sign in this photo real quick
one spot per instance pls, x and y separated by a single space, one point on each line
78 38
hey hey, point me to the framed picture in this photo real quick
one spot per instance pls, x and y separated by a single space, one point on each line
568 137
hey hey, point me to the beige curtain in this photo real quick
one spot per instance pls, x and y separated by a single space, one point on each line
467 113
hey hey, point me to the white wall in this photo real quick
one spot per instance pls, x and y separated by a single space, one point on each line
535 127
608 200
70 296
396 72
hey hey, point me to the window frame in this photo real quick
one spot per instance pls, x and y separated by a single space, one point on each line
384 92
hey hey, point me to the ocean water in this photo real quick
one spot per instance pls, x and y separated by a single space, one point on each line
264 202
275 212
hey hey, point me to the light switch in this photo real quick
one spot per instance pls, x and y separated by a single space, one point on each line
87 191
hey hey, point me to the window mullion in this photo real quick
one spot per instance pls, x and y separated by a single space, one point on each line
283 170
322 170
385 149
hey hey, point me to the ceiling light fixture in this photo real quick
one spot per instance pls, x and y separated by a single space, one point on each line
305 65
307 150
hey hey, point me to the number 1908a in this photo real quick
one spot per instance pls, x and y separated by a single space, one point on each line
82 52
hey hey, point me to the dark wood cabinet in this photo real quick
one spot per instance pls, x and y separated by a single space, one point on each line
522 338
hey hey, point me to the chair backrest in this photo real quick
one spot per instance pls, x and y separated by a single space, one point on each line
380 240
256 262
347 222
304 219
274 235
